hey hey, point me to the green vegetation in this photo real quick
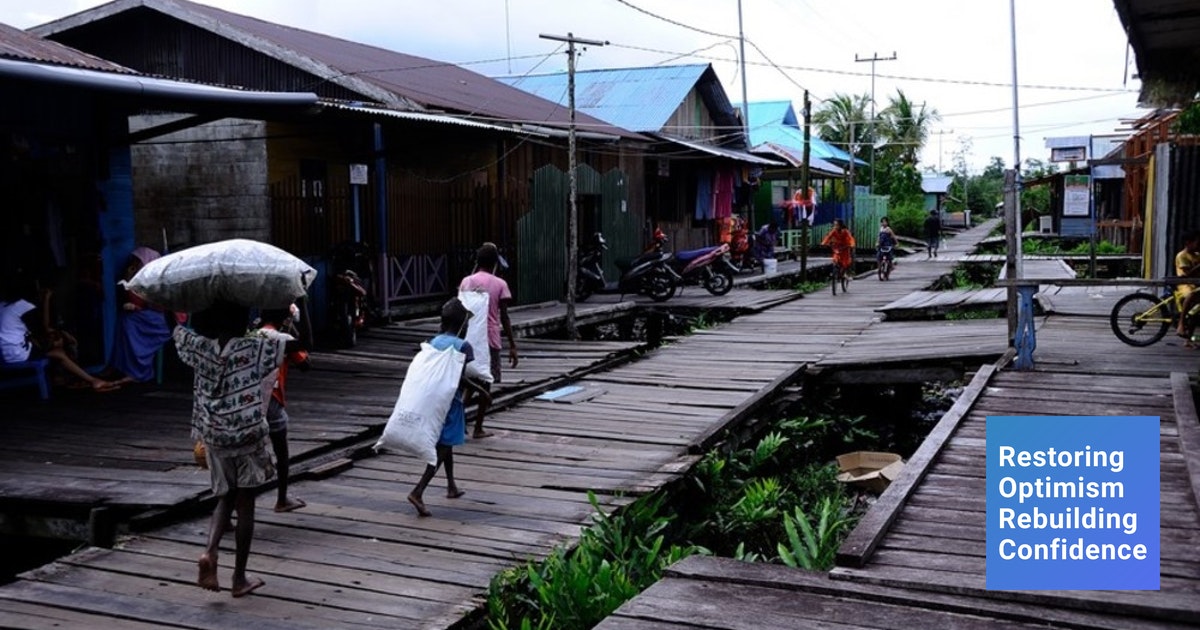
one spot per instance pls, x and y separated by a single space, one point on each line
974 313
616 558
777 500
972 276
908 218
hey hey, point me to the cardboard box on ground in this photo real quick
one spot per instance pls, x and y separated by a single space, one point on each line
868 469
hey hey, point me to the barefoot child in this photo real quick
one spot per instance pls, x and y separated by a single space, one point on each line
454 319
229 416
274 322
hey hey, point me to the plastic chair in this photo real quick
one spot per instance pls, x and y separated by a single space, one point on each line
38 366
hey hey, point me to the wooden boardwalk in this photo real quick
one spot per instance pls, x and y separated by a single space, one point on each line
359 556
918 558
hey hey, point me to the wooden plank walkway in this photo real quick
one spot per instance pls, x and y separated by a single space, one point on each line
933 538
705 592
918 558
358 555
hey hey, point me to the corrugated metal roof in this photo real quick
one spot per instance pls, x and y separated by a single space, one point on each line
1165 36
428 83
425 117
732 154
775 122
638 99
17 44
796 158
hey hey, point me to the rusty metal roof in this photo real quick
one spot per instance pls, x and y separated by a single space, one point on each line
17 44
397 80
1165 36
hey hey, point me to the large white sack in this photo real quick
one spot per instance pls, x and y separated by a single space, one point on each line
246 272
425 396
477 334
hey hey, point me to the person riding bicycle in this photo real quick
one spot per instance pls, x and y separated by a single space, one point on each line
1187 265
885 245
841 241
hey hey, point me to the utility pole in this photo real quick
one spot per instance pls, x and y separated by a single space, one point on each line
573 217
804 181
742 60
873 58
940 133
853 162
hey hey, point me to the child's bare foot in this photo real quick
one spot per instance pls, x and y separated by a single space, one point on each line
419 504
246 586
289 505
454 493
208 573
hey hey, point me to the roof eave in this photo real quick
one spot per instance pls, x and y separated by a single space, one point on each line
270 49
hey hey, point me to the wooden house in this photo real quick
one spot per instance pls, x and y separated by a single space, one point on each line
1162 163
776 132
419 159
68 223
698 169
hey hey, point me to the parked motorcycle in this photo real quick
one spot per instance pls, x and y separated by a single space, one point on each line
707 266
348 291
648 274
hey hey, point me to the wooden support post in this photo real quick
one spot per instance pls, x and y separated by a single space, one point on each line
102 528
805 182
1025 339
1012 227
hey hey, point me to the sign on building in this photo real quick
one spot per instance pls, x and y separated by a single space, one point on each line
1077 195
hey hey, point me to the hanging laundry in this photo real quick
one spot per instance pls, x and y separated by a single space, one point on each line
726 180
704 195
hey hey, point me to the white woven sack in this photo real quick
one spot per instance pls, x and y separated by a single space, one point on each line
477 334
247 272
425 397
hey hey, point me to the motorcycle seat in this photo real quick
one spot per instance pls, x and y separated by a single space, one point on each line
692 254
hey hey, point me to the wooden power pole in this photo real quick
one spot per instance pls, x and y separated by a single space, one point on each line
573 216
804 182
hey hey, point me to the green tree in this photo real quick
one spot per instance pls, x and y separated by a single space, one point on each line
844 121
904 127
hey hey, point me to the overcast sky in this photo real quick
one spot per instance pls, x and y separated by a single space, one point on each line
954 55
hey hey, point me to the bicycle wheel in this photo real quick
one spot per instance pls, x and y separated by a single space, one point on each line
845 281
1141 319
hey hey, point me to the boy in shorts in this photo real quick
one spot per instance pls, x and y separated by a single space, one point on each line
278 323
233 376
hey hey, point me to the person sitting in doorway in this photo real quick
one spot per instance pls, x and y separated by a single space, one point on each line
142 328
19 319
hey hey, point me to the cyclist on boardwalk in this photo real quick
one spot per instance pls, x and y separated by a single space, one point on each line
885 244
1187 265
841 241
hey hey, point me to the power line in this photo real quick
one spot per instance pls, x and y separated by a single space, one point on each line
890 76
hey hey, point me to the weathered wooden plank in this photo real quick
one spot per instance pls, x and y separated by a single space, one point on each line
858 546
1189 429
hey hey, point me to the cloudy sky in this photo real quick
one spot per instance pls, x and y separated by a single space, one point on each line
954 55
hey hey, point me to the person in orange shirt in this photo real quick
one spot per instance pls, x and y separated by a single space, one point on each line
841 241
281 322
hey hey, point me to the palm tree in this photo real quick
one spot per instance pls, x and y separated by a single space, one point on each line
904 127
839 115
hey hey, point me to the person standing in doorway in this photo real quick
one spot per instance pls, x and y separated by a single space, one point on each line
487 263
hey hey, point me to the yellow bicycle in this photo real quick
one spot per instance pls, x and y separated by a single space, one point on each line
1141 319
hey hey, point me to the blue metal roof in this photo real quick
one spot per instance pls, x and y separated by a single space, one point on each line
776 122
637 99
